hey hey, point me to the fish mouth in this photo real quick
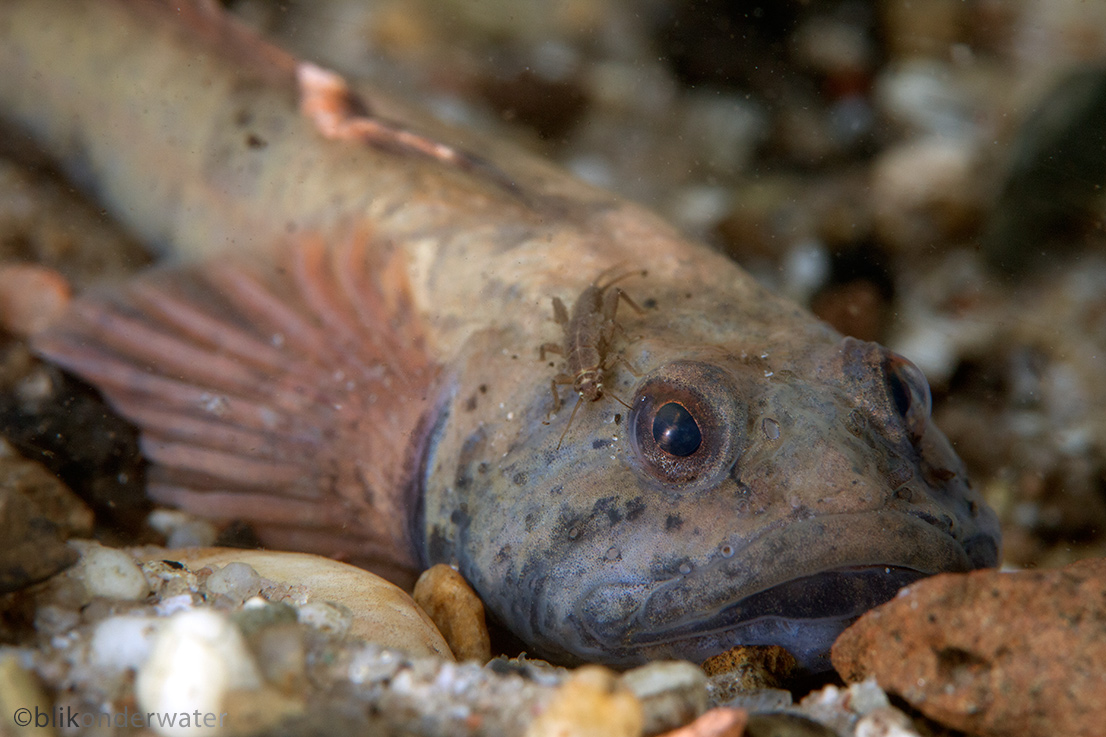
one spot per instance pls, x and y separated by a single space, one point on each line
804 615
798 587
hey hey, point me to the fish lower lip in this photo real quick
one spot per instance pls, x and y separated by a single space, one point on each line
839 595
804 615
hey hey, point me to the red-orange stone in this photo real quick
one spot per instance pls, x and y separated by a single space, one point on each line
992 653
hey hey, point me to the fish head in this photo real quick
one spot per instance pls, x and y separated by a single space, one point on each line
748 496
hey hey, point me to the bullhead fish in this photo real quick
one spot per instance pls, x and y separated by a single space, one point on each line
342 348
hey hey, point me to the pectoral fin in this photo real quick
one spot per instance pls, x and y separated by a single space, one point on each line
290 396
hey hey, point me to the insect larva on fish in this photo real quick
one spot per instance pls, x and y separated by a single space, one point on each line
589 332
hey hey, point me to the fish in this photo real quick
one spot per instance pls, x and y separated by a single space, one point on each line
341 347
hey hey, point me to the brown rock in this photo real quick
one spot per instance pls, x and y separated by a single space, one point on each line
757 666
992 653
457 611
46 492
37 513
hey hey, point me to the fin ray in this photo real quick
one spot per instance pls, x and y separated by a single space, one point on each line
289 395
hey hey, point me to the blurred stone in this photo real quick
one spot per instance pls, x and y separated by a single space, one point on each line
672 693
992 653
37 513
49 495
592 702
457 611
923 27
196 660
855 308
32 298
926 193
109 573
720 722
1057 151
19 690
785 724
844 709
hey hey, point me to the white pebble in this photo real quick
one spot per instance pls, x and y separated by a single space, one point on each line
173 604
867 696
110 573
197 658
122 642
885 722
238 581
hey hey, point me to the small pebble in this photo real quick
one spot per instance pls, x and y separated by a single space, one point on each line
182 530
592 702
20 690
457 611
123 642
32 298
281 655
885 722
672 692
110 573
327 616
197 659
235 580
55 620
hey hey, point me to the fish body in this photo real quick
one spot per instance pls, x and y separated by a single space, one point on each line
344 351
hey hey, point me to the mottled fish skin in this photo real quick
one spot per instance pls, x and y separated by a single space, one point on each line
353 362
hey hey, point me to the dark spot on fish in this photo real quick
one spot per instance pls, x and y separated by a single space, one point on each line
939 475
600 443
900 475
608 505
504 554
438 545
618 418
482 467
255 141
530 521
459 516
470 403
649 303
569 526
483 388
243 117
634 508
673 522
519 479
557 490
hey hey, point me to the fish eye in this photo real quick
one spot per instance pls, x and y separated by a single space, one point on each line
675 431
909 391
685 425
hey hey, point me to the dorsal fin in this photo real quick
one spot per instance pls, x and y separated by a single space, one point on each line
292 396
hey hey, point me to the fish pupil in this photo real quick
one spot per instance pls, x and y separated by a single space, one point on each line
675 431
